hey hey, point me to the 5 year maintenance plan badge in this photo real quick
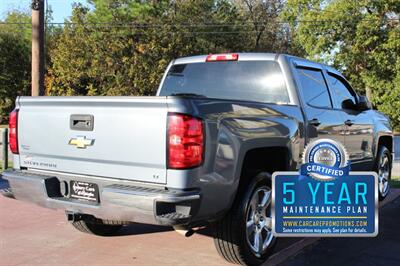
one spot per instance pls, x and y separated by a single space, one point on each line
325 198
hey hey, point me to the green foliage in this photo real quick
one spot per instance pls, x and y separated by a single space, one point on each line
14 72
122 47
14 62
362 38
22 31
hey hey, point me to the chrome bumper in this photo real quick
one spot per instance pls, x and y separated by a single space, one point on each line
120 200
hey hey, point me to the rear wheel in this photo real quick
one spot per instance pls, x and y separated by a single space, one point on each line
97 227
383 168
244 236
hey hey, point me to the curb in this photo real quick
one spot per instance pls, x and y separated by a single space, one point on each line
297 247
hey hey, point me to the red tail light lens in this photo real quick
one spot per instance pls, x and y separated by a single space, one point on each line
222 57
13 131
185 141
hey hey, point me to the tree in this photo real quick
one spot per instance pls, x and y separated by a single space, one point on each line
14 72
93 56
15 58
124 50
268 33
122 47
14 61
361 38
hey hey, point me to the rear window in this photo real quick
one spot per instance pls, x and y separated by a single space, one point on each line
260 81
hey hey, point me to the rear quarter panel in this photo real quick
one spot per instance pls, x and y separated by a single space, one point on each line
232 129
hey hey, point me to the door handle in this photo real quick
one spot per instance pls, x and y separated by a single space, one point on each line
314 122
348 122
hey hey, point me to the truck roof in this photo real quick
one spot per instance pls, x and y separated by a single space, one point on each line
249 57
242 56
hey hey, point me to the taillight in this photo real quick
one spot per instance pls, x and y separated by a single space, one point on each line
222 57
13 131
185 141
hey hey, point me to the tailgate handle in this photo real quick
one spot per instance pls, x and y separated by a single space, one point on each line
81 122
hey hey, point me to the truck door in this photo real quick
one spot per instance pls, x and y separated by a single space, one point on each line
322 120
358 124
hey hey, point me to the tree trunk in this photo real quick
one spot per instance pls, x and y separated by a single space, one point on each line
368 93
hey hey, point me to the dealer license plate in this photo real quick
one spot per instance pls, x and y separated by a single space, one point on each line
84 191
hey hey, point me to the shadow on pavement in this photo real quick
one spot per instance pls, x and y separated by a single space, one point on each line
140 229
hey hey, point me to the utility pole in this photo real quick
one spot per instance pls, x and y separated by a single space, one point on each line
38 57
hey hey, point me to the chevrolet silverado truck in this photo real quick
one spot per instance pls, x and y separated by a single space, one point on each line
199 153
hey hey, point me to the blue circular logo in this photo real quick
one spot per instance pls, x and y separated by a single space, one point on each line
325 159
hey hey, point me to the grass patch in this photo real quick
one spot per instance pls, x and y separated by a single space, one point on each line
395 182
10 165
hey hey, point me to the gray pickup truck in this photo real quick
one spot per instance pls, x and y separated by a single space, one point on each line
200 152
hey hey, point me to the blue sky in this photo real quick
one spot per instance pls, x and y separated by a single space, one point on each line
61 8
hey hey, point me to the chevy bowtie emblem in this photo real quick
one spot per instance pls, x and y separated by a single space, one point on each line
81 142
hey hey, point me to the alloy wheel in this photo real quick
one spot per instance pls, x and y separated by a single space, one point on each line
383 175
259 221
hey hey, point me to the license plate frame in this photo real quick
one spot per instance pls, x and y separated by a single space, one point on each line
84 191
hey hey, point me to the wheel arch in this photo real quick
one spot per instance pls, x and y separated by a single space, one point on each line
387 141
262 159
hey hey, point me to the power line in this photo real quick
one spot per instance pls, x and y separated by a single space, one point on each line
149 25
125 32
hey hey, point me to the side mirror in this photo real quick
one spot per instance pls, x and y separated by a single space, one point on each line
349 104
364 104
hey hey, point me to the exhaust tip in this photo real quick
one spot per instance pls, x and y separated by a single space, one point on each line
189 233
182 230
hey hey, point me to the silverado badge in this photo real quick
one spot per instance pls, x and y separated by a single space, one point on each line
81 142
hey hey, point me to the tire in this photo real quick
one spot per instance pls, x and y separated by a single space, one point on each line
97 227
232 240
383 167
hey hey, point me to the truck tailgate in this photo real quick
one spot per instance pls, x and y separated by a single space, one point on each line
128 139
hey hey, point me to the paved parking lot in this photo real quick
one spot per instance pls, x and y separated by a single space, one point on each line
31 235
37 236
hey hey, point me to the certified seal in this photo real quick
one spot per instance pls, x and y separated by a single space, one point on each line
325 160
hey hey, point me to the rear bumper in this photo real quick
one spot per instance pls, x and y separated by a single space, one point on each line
120 200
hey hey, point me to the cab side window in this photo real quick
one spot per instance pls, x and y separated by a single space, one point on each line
341 91
314 89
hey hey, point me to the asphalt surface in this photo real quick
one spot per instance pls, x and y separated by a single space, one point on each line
381 250
32 235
